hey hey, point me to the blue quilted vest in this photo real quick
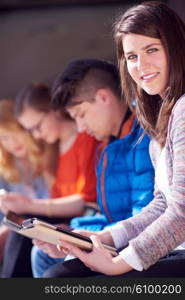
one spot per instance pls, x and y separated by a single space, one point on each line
125 181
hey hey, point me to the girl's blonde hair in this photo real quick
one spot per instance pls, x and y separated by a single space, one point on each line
8 123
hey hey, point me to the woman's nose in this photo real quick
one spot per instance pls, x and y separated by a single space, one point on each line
142 62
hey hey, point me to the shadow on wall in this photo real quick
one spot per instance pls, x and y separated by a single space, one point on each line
36 44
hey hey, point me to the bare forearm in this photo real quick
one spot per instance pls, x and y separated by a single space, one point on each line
59 207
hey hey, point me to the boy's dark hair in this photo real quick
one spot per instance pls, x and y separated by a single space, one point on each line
80 81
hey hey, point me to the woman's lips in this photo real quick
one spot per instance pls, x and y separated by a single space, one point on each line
149 77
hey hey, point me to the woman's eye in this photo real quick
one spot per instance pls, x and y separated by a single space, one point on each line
131 57
151 50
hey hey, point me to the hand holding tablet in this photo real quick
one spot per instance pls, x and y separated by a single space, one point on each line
38 229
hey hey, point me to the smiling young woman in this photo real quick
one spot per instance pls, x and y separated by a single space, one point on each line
146 62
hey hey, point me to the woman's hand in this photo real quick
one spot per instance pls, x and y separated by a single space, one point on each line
50 249
85 232
103 235
15 202
99 259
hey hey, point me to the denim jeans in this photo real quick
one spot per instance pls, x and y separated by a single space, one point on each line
41 262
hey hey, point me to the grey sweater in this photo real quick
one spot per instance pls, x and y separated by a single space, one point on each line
160 227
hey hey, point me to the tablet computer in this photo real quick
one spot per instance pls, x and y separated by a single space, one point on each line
36 228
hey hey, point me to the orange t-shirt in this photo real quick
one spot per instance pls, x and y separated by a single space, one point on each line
76 169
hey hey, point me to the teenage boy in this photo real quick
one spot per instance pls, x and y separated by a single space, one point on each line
90 91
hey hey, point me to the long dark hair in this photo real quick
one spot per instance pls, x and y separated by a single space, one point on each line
156 20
